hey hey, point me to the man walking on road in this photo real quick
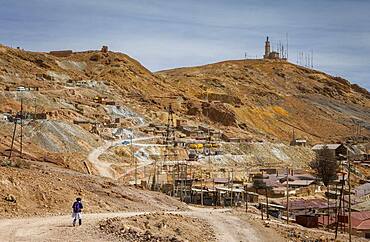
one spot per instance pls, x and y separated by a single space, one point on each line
76 211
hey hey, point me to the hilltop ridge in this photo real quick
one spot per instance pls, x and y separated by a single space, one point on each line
257 99
271 97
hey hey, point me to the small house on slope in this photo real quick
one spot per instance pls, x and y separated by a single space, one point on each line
337 151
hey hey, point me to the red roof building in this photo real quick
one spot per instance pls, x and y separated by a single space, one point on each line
360 223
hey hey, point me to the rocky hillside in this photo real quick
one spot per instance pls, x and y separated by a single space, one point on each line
265 98
65 88
260 99
100 70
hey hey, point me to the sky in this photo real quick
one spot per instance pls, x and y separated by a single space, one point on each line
175 33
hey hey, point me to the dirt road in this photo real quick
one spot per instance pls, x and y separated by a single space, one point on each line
104 168
55 228
58 228
229 227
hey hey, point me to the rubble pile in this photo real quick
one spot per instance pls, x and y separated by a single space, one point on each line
157 227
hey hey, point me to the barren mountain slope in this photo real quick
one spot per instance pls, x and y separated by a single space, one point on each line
20 65
67 87
268 98
43 189
251 98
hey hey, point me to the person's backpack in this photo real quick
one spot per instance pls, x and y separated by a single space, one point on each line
76 207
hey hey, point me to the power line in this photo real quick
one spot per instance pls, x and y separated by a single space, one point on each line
21 146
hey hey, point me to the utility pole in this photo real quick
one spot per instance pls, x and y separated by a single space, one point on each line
201 186
170 133
181 175
267 203
17 116
208 133
349 197
340 206
21 146
34 113
246 193
154 182
173 180
215 192
232 185
246 199
287 195
170 137
287 46
312 59
133 160
11 146
186 181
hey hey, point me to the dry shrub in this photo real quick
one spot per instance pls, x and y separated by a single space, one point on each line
17 163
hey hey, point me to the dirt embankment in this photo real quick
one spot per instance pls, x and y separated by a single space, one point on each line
158 227
42 191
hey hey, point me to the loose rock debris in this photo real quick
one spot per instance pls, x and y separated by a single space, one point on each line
158 227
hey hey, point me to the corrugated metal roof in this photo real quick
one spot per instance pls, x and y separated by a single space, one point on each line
365 215
316 203
363 190
329 146
238 190
300 140
299 182
365 225
220 180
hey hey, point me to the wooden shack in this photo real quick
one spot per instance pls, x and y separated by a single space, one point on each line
337 151
308 221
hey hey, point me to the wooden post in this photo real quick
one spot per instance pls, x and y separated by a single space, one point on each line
181 184
349 198
262 211
267 204
328 206
154 180
336 202
232 185
246 201
87 168
11 146
21 147
340 206
34 104
201 186
214 191
173 180
133 160
287 195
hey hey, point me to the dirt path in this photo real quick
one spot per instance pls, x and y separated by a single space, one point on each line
55 228
227 227
104 168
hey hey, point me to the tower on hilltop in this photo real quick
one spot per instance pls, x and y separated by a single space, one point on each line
267 48
273 55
